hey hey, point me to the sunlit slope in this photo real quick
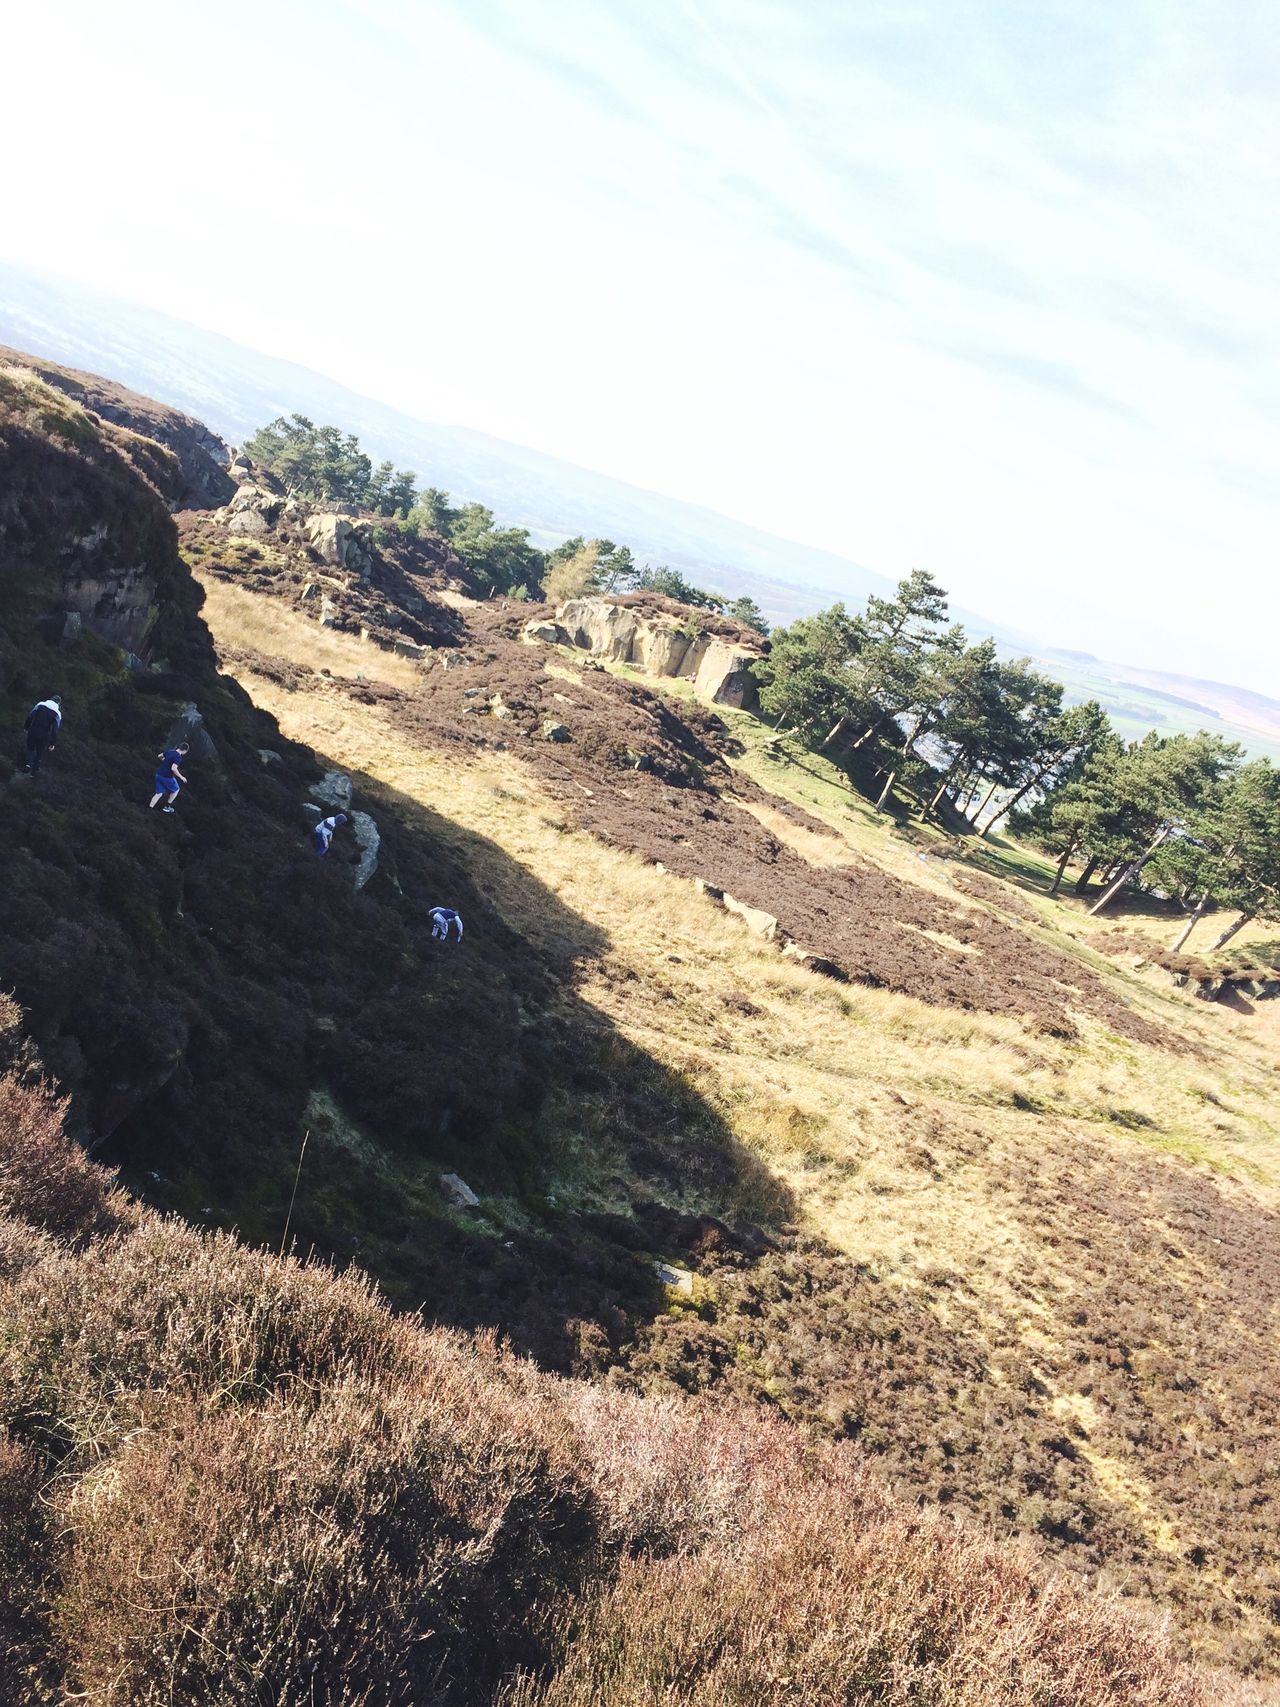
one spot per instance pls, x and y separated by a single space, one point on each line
1041 1280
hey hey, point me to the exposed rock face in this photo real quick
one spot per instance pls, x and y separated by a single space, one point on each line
84 518
659 641
338 540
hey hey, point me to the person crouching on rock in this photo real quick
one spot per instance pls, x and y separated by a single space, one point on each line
43 723
322 835
168 776
441 919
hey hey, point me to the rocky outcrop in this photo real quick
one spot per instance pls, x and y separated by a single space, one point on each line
84 513
340 541
200 455
254 510
661 641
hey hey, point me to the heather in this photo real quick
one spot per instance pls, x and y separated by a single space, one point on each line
229 1477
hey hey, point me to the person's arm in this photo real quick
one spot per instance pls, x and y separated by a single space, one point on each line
457 921
178 774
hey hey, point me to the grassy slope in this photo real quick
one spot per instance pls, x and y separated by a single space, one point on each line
1043 1198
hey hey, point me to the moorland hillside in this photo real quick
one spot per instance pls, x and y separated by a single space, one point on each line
831 1147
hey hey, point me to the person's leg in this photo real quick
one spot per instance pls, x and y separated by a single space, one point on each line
35 751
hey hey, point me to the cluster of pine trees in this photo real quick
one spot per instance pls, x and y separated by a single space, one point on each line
327 466
902 694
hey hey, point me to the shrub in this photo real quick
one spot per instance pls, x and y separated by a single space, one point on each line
44 1180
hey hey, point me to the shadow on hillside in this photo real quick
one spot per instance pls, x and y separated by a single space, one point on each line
418 1059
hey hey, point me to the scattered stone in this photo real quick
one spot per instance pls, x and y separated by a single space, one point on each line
639 761
269 757
458 1191
72 624
757 921
311 590
328 612
548 632
552 731
680 1279
820 963
453 661
407 648
498 709
470 693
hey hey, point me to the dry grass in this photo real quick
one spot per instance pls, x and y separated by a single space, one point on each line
225 1477
242 619
921 1142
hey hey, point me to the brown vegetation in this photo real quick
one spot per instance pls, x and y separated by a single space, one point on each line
229 1478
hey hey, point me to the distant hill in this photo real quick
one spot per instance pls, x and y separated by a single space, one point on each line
235 390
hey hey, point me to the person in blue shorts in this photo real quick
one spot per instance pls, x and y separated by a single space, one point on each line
441 919
322 835
168 776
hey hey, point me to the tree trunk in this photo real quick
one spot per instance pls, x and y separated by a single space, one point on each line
1131 870
1191 923
884 792
1062 866
835 729
973 822
1019 796
1225 938
1082 882
942 789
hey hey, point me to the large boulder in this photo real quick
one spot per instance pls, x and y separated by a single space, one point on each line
334 789
368 841
340 541
189 726
253 510
600 627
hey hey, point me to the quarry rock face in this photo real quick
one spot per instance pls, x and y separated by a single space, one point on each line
660 642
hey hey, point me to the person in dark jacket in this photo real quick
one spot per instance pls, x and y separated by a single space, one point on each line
44 720
168 777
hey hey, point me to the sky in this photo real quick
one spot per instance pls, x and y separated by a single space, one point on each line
986 287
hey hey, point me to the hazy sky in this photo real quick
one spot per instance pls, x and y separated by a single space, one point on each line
987 287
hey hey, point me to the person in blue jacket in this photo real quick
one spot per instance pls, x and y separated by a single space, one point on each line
168 776
322 835
441 919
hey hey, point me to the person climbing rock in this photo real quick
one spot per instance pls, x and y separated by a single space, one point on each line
322 835
441 919
44 720
168 776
